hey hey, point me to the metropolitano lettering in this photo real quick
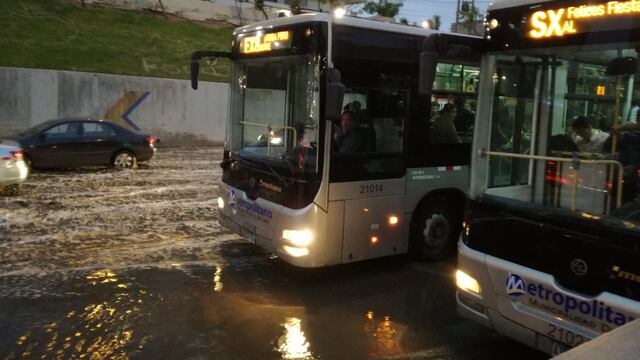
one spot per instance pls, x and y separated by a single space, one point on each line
560 304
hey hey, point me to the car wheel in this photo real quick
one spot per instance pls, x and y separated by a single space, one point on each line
124 160
435 231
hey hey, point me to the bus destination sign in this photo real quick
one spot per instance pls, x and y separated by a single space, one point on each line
264 42
553 23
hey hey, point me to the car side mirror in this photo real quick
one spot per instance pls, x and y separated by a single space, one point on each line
334 95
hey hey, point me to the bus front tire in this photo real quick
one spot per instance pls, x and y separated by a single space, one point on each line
435 231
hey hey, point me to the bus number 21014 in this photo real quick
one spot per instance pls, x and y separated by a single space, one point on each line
371 188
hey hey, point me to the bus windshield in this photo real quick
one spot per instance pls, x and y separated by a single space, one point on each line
577 110
275 113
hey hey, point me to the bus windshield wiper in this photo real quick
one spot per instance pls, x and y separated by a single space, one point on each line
265 163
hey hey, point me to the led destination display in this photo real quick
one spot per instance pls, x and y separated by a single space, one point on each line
583 18
264 42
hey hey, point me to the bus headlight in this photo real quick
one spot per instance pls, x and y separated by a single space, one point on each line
296 252
467 283
300 238
220 203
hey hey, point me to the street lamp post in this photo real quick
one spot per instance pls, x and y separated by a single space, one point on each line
457 15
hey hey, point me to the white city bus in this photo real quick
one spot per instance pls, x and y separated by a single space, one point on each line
300 185
550 248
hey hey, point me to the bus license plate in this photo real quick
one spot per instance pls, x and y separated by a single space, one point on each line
248 234
565 336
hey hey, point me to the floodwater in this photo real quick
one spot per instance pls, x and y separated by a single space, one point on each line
106 264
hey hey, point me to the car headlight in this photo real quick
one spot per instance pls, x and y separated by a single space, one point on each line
300 238
220 203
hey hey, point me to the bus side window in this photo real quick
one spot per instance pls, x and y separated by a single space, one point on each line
454 84
375 122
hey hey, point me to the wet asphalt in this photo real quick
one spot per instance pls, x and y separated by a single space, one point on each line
104 264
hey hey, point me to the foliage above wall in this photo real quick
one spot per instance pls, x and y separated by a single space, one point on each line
50 34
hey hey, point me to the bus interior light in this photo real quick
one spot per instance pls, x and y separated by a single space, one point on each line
298 237
276 141
467 283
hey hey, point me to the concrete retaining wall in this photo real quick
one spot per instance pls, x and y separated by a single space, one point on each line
166 108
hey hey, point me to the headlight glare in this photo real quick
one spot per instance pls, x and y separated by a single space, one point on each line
300 238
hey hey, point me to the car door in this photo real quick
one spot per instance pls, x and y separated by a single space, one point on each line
97 142
55 146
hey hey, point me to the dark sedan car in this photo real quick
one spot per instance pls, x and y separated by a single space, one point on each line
84 142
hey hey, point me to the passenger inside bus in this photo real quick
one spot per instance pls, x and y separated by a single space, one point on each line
465 117
444 129
435 109
587 138
354 136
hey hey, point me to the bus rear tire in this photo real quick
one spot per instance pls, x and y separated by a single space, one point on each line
435 231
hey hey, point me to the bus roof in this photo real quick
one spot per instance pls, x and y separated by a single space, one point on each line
346 20
503 4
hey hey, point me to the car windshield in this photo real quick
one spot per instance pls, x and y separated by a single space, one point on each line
275 112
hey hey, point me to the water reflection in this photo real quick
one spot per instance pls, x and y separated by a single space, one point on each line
384 335
102 277
293 344
100 330
217 279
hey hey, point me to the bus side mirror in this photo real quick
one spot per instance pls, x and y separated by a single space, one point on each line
428 65
334 95
195 71
195 63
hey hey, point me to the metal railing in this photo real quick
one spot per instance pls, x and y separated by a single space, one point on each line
575 166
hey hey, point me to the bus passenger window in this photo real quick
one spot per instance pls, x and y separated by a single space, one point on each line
454 84
368 128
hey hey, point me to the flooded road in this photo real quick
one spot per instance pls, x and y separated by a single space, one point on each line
104 264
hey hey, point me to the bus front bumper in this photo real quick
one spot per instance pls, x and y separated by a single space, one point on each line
512 318
264 224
